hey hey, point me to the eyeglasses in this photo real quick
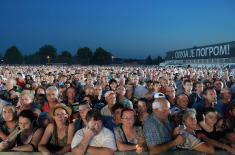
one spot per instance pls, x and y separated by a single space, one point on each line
60 114
127 118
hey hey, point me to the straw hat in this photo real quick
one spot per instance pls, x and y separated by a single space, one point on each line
63 106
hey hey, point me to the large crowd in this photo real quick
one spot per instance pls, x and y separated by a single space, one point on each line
104 109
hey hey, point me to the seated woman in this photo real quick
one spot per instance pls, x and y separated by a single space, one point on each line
129 137
209 132
24 138
58 135
188 132
9 121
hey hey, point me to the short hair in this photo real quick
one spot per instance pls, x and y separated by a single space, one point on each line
95 114
52 88
112 81
128 109
207 110
187 113
31 95
205 91
28 114
116 106
186 81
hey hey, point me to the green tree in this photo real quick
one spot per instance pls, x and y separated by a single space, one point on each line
102 57
149 60
65 57
13 56
47 54
84 56
158 60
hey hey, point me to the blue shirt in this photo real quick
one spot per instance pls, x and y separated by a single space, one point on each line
157 132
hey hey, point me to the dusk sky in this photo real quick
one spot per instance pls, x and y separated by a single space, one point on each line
126 28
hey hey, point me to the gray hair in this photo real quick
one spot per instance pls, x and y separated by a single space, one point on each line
188 113
52 88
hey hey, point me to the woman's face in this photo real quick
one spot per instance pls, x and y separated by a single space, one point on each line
191 122
7 114
70 93
60 115
25 100
113 86
24 123
128 118
141 106
211 118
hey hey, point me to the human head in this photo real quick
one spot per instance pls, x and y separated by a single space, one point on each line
110 97
161 108
84 107
26 98
187 85
182 101
8 113
210 116
52 94
209 94
26 120
128 117
94 120
189 119
113 84
116 113
170 92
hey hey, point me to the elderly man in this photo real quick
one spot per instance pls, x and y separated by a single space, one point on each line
110 99
94 138
157 128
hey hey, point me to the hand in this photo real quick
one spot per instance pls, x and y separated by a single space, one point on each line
3 145
89 132
139 149
230 150
179 140
176 131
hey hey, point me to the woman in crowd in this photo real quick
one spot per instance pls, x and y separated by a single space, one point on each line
188 132
142 110
58 135
129 137
209 133
26 103
9 121
26 136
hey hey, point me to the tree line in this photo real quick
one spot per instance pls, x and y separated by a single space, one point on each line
48 54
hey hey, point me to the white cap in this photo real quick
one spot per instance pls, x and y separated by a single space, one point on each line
159 95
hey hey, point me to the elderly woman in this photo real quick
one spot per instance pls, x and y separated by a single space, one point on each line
52 94
9 121
129 137
25 137
209 133
26 103
58 135
187 131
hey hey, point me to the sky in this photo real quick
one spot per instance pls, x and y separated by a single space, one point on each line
126 28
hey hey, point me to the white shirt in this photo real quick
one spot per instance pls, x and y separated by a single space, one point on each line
105 138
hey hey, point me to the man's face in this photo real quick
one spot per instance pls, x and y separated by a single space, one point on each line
170 92
211 96
164 111
111 99
95 125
